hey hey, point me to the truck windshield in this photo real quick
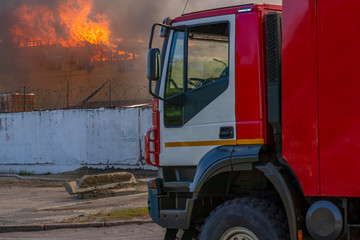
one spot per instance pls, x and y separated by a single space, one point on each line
207 57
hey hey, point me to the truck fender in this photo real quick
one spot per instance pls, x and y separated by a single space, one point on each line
276 178
240 158
223 159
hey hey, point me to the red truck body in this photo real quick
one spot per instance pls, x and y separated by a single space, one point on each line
321 130
304 161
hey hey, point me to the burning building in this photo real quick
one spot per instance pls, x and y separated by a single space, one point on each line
65 51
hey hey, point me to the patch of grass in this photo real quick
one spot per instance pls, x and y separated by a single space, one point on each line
113 215
25 173
129 213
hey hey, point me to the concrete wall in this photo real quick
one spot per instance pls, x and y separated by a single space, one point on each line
64 140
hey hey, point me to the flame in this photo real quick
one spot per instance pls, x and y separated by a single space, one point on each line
37 25
80 28
115 55
29 21
140 40
71 24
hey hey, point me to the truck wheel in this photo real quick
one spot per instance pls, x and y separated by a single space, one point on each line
247 218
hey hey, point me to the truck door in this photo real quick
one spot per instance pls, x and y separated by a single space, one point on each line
199 73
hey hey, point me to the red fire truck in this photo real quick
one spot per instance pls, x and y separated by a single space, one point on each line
255 122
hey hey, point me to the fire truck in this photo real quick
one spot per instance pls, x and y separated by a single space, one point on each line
256 122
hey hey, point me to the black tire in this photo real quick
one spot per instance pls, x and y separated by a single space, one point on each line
245 217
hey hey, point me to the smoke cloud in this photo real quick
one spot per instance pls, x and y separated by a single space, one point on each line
130 21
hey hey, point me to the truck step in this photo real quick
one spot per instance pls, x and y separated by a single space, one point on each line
177 186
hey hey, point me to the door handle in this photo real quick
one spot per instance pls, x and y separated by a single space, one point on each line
226 132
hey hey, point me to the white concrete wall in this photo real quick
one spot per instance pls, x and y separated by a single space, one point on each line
64 140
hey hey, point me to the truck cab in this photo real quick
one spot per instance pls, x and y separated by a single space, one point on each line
209 113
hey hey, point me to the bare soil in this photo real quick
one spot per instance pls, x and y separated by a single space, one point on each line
149 231
35 201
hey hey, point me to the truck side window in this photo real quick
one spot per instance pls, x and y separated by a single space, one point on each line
175 80
207 55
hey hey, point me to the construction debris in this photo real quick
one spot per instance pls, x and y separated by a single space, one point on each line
90 186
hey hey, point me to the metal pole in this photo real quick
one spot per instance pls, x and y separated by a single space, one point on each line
110 103
67 92
24 98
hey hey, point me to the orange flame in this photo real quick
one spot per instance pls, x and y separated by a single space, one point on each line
71 24
28 20
140 40
80 29
35 25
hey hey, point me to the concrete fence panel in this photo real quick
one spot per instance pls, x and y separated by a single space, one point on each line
63 140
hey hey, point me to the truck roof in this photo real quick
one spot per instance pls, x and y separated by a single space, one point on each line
200 5
225 11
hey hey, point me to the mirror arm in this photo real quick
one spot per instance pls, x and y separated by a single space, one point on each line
153 94
178 100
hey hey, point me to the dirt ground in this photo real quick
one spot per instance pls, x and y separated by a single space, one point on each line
149 231
35 201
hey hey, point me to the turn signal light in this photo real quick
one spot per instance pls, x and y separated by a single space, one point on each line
153 184
300 235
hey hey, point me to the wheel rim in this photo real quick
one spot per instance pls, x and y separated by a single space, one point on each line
239 233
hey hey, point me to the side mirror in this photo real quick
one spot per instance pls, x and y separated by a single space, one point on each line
153 64
153 74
